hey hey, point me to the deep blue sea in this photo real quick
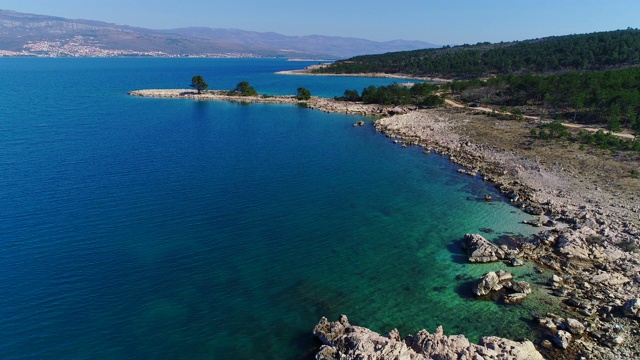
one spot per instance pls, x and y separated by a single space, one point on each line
136 228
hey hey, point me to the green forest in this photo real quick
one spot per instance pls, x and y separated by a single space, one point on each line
610 98
595 51
590 78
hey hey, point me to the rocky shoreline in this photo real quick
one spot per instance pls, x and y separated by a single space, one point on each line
343 341
590 223
590 241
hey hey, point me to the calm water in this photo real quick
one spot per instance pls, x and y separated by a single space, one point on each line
164 228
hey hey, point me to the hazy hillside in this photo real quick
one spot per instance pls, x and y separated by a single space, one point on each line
29 34
335 46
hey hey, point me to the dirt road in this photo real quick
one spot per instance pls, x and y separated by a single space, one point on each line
570 125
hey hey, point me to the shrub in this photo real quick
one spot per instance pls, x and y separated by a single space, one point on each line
244 89
628 246
594 240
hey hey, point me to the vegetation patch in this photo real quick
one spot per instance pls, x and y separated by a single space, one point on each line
420 94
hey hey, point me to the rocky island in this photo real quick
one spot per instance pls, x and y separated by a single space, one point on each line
589 234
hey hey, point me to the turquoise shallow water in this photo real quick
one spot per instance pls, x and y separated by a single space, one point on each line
163 228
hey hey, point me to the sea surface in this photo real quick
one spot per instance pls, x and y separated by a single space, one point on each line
135 228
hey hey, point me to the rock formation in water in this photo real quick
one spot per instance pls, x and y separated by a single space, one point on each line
343 341
481 250
501 280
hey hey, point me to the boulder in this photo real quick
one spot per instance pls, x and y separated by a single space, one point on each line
562 339
534 210
574 326
504 275
609 278
514 298
572 245
631 308
496 281
481 250
617 340
549 324
519 287
507 349
488 282
556 282
516 262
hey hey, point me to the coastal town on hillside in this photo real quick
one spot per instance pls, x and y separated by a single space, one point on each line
80 46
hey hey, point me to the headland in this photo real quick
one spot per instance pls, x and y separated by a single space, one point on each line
309 71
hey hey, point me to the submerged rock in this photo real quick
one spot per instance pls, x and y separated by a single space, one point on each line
504 275
514 298
343 341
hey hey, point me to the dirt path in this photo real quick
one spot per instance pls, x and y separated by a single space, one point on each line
570 125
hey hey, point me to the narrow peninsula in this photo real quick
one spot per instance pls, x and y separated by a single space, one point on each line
314 102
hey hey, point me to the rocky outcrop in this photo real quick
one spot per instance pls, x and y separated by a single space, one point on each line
481 250
562 331
573 245
497 281
343 341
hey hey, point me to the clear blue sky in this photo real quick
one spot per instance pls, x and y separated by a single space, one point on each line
436 21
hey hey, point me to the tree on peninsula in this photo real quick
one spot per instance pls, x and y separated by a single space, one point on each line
244 89
197 82
303 94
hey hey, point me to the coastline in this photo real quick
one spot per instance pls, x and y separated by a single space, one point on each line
307 71
591 242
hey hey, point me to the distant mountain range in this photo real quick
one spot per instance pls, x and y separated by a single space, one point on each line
40 35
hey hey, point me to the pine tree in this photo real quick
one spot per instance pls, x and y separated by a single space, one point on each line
197 82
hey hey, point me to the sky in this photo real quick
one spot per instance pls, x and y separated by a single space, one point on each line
435 21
